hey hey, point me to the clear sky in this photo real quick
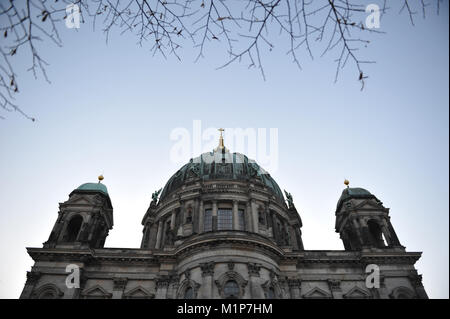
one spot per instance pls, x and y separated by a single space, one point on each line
110 108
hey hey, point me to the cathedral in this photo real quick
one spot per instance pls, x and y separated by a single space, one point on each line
221 228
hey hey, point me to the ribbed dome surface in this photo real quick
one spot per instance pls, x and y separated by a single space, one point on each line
220 165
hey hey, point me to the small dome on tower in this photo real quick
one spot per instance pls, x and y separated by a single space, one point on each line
353 192
93 187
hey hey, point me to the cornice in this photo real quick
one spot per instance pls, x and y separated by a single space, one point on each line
147 257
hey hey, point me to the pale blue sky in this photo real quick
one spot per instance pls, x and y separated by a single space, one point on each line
110 109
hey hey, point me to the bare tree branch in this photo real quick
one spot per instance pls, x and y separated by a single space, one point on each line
246 27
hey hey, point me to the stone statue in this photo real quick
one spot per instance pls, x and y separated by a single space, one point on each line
289 199
155 196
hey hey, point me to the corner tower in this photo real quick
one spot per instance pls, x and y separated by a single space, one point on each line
363 222
84 220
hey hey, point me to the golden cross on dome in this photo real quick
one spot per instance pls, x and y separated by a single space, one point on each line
221 143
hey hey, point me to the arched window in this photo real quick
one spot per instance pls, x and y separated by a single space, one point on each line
48 294
73 228
231 289
402 293
189 293
47 291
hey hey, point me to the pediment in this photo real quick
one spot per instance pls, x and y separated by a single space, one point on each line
357 293
96 292
317 293
369 204
138 293
79 200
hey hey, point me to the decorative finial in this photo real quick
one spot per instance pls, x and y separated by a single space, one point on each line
346 182
221 143
100 178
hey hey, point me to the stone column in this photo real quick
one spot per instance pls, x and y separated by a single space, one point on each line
159 234
248 217
345 240
294 288
358 232
276 235
201 216
293 242
214 215
298 236
335 288
145 236
255 216
255 288
195 217
173 287
119 287
269 220
57 230
387 235
367 239
206 290
90 227
392 235
153 235
182 212
173 220
162 283
288 238
235 215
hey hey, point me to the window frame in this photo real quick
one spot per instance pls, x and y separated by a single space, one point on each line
207 220
224 219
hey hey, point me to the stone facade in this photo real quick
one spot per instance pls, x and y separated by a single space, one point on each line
221 237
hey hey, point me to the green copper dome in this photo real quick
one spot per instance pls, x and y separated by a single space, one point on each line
353 192
94 187
221 165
